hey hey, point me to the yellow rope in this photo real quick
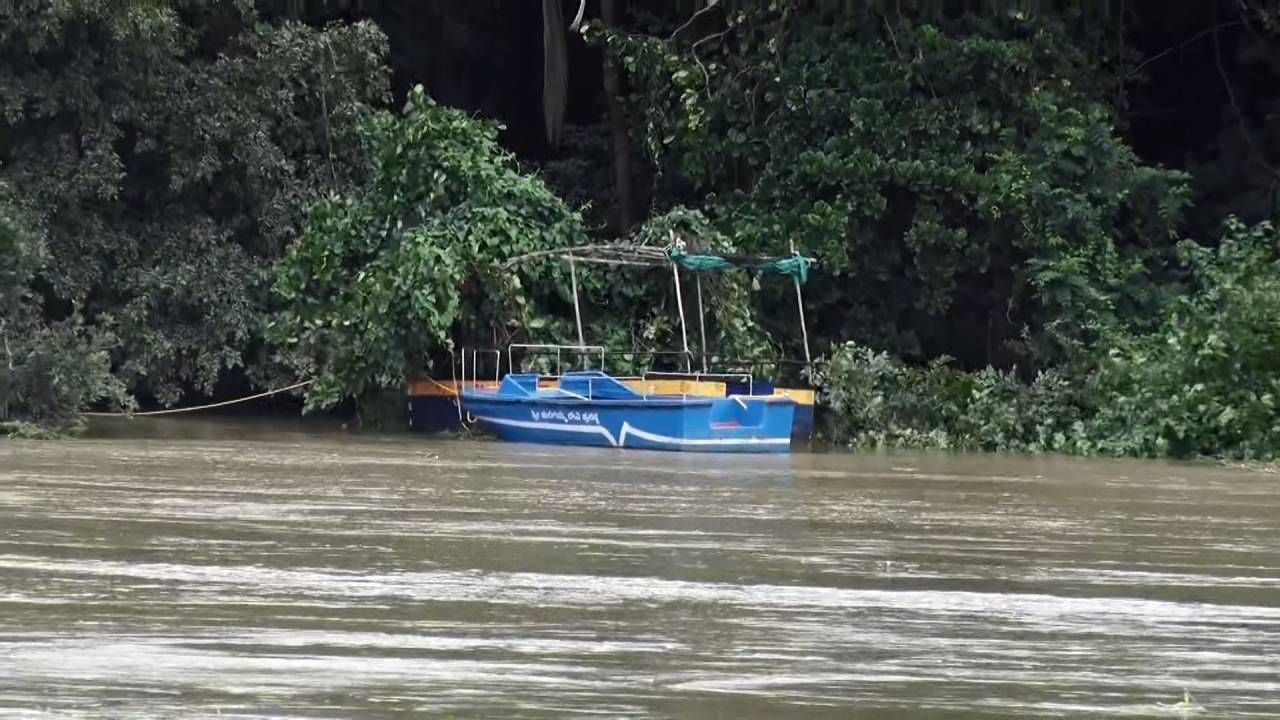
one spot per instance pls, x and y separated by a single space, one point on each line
174 411
448 390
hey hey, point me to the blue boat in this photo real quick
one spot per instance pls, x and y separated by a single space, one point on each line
594 408
591 407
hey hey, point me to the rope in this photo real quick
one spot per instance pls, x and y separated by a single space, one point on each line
448 390
453 372
174 411
799 278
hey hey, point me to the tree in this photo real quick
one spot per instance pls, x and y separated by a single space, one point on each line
167 150
49 372
555 70
387 275
1206 379
962 183
619 127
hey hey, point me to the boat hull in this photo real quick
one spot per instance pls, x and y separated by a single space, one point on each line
737 425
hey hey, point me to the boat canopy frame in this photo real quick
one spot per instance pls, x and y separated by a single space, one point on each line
795 265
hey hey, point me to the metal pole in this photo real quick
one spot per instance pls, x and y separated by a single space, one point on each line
684 333
577 311
804 331
702 321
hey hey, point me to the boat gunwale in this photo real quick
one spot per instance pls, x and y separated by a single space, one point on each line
664 401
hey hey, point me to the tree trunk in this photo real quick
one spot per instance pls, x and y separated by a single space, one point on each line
618 128
555 71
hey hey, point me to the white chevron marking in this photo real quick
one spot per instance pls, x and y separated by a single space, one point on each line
561 427
629 430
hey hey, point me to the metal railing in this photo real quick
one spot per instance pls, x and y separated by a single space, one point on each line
518 355
475 366
558 350
470 369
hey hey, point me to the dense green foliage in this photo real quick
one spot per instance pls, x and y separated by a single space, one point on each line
963 187
167 152
379 279
1207 380
48 370
1204 381
879 401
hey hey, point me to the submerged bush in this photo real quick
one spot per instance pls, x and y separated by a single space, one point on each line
877 401
1207 380
1204 381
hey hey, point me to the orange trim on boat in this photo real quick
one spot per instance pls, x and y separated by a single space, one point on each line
443 388
799 396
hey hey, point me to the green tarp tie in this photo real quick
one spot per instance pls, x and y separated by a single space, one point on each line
796 266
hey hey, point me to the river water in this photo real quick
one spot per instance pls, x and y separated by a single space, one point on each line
245 570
